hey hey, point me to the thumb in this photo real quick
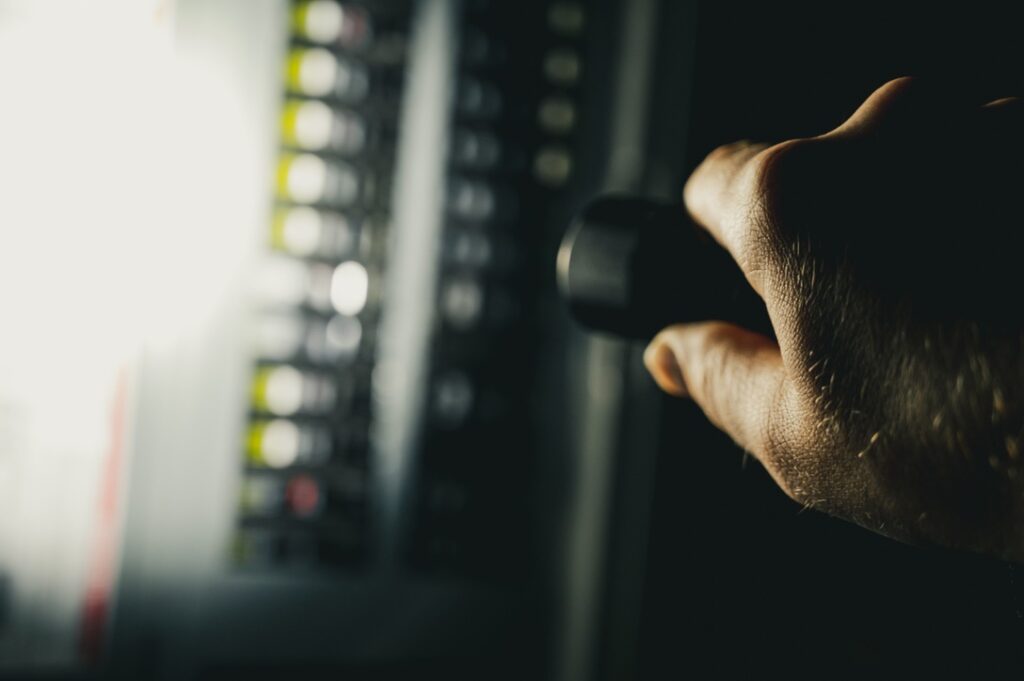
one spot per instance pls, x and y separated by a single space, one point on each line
735 376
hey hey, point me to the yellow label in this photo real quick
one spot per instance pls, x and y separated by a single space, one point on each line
277 229
300 17
293 70
259 389
254 443
289 117
284 166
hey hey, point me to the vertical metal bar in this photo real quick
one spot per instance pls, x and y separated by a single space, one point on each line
400 383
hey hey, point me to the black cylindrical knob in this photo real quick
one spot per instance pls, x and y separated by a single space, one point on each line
632 266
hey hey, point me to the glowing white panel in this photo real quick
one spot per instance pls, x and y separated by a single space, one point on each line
313 123
306 178
323 21
282 390
350 288
77 228
302 231
317 72
280 443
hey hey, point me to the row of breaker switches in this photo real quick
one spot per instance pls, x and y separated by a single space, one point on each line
513 117
302 500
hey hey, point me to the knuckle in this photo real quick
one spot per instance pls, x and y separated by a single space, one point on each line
780 171
785 188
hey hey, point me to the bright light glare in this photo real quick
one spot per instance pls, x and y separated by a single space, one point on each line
97 165
318 72
307 178
302 230
324 20
350 288
280 443
283 390
313 123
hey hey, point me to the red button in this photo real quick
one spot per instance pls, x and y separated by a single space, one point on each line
303 495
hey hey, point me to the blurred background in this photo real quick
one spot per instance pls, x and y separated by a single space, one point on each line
286 390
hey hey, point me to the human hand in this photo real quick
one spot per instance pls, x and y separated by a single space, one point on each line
888 254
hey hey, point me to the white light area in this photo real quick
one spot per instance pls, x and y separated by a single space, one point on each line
324 21
280 443
313 124
85 90
302 230
307 178
76 212
283 390
318 72
204 218
135 166
350 288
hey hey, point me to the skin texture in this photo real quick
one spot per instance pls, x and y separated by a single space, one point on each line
888 253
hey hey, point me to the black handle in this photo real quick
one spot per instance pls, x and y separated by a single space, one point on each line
632 266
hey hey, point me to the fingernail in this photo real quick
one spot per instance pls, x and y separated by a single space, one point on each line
664 368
